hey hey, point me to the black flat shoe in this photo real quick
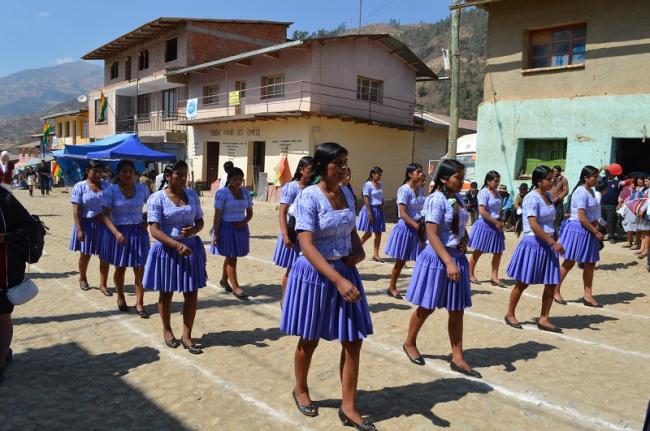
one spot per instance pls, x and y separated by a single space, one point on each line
194 348
512 325
559 301
309 410
123 307
398 296
142 313
225 286
417 361
106 292
555 330
500 284
173 343
83 285
589 304
365 426
242 297
471 373
478 283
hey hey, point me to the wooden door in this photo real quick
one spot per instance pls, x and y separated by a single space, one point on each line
212 157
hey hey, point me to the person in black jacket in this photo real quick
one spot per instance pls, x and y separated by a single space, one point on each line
13 217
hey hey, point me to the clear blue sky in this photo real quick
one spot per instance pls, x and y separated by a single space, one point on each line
40 33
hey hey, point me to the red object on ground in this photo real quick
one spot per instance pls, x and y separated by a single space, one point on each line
615 169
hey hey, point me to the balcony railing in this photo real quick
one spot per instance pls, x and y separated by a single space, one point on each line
308 97
151 122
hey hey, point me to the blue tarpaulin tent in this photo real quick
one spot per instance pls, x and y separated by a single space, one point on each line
74 158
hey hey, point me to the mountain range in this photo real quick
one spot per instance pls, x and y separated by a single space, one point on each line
28 95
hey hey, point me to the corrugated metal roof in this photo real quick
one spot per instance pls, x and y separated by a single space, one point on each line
60 114
154 28
442 121
392 45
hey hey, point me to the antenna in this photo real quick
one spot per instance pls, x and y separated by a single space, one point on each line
82 99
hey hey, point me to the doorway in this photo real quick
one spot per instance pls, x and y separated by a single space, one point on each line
212 162
632 154
259 151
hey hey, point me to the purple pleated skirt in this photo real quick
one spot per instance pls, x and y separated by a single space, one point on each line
363 222
579 244
403 242
167 271
93 229
133 253
232 242
430 288
284 256
485 237
534 262
314 309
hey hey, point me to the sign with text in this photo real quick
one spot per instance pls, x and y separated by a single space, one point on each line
233 98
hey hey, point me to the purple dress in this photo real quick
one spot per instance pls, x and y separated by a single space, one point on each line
375 196
232 242
313 307
403 241
484 236
126 215
166 270
429 287
579 244
90 210
284 256
534 260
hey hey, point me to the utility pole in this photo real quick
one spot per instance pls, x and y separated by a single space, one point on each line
455 80
360 8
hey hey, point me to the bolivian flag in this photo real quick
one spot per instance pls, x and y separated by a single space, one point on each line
56 169
47 131
103 104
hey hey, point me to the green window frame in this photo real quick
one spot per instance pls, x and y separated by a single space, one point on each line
549 152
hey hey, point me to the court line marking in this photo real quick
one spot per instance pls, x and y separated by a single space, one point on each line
229 386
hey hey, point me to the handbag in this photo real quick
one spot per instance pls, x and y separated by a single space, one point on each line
27 289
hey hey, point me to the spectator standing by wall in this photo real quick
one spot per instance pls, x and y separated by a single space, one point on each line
559 191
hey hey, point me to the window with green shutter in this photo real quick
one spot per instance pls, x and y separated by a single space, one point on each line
549 152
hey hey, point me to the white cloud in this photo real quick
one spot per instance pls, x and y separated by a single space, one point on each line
64 60
43 14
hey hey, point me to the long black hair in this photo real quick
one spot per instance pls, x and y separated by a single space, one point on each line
302 164
324 154
121 164
587 171
374 170
234 172
169 168
446 169
410 168
539 173
490 176
93 164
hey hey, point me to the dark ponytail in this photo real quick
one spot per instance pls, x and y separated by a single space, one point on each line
587 171
490 176
93 164
302 164
410 168
539 173
446 169
234 172
374 170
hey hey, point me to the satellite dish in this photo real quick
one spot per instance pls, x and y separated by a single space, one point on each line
82 99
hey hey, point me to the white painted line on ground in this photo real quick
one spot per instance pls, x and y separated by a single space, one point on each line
155 343
528 327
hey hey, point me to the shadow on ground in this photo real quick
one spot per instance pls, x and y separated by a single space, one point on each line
413 399
67 387
255 337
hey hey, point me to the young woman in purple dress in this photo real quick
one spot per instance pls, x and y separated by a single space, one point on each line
176 261
233 209
287 248
325 297
536 260
441 275
88 230
487 235
126 241
404 242
371 216
580 235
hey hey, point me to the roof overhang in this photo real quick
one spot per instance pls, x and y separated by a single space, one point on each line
154 29
483 4
392 45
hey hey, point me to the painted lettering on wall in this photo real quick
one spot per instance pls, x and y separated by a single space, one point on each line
235 132
286 144
231 150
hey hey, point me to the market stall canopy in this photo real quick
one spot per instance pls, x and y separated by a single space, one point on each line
130 148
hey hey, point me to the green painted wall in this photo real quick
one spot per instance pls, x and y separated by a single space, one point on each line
589 125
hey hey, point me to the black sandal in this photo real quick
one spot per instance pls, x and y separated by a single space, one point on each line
225 286
173 343
105 291
123 307
396 296
142 313
512 325
241 297
309 410
194 348
346 421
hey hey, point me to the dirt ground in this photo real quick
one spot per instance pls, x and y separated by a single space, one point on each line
82 364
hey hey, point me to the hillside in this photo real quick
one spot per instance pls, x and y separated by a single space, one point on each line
37 90
427 40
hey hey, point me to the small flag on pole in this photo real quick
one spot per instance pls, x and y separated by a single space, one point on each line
282 170
103 104
47 131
